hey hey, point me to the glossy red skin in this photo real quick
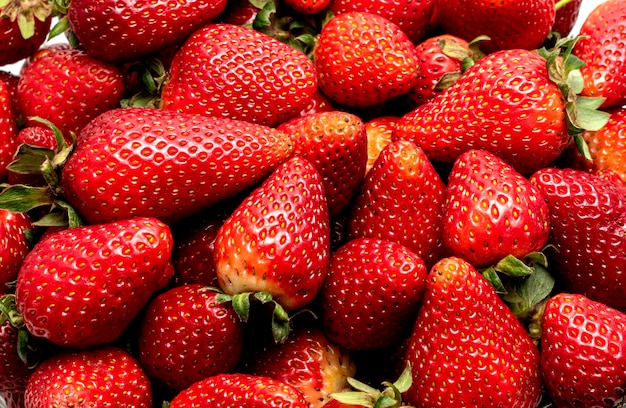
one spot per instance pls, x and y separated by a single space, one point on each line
130 30
474 113
238 12
308 361
13 371
566 16
278 238
193 254
148 158
186 336
13 47
308 6
8 128
500 21
14 243
605 69
249 76
372 293
588 220
412 17
464 331
239 390
82 286
35 136
492 211
401 200
336 142
363 59
583 355
106 376
69 88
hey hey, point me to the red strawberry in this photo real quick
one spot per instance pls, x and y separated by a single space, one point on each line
308 6
8 128
412 17
510 24
239 390
336 143
37 137
14 364
130 30
467 347
602 33
239 12
583 357
401 200
308 361
364 59
278 240
186 335
230 71
566 16
371 294
82 286
24 26
505 103
588 220
158 163
492 211
379 134
69 88
16 233
105 377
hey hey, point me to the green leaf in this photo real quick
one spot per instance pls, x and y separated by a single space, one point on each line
21 198
583 148
494 280
513 266
263 18
361 386
353 397
591 119
26 24
29 158
281 324
575 81
241 305
589 102
385 402
404 382
263 297
536 257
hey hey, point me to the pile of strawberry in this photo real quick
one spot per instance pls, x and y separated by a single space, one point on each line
307 203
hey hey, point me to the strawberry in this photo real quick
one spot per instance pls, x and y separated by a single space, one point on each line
371 294
308 361
379 133
492 211
13 349
239 12
277 241
336 143
106 377
509 24
33 136
239 390
129 30
566 16
186 335
401 200
82 286
412 17
8 130
588 220
150 157
363 59
16 233
605 71
467 348
68 87
521 120
24 26
308 6
583 357
230 71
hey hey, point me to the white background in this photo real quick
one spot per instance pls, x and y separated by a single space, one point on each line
586 7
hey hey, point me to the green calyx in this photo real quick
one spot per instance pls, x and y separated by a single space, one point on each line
26 13
581 111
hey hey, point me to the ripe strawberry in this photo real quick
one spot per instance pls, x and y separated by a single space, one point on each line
68 87
588 220
371 294
605 71
104 377
566 16
336 143
467 348
37 137
158 163
318 103
583 357
364 59
492 211
239 12
186 335
16 233
82 286
277 241
14 370
230 71
129 30
8 129
239 390
308 6
412 17
522 120
24 26
308 361
401 200
379 134
510 24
